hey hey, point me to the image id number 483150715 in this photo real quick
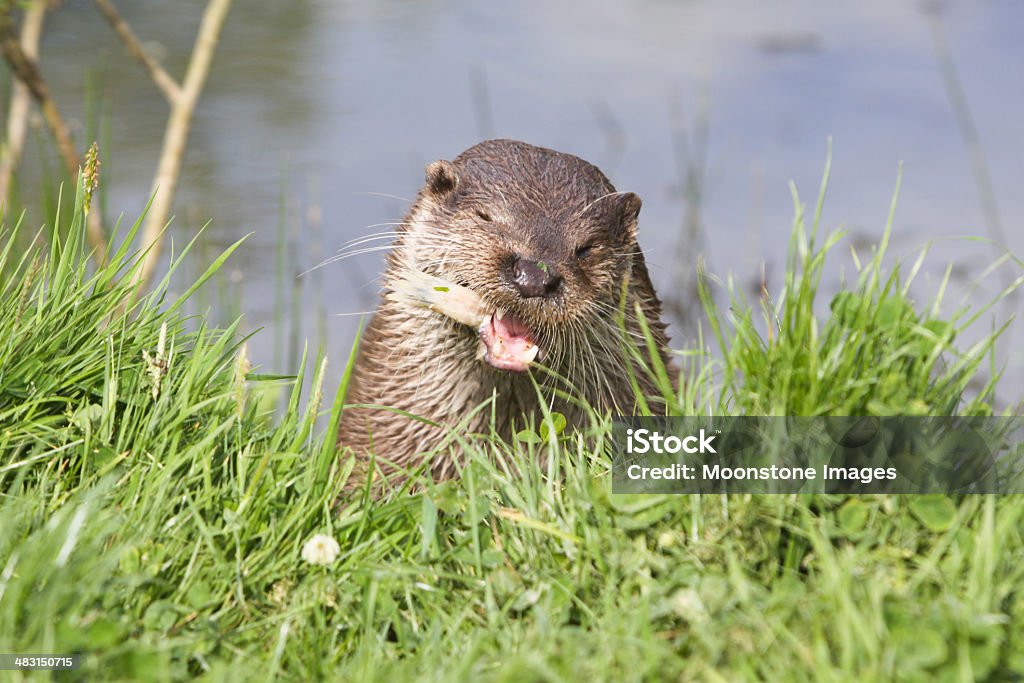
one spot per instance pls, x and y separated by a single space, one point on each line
37 662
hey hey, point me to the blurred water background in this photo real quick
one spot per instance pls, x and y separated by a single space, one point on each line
319 116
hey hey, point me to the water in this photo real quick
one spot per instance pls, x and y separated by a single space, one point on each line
343 103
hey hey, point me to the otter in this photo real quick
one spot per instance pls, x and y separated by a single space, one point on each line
547 247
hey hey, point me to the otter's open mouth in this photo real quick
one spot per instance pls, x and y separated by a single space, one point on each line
507 342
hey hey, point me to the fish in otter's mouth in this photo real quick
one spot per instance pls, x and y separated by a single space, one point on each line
507 342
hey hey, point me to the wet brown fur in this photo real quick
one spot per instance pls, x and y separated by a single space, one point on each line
498 200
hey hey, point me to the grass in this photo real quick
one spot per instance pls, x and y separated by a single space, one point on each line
153 508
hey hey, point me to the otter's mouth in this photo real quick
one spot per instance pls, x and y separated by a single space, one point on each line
507 342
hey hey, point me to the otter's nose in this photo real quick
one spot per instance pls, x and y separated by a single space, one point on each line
535 278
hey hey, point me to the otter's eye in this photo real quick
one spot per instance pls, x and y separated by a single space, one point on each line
483 215
584 251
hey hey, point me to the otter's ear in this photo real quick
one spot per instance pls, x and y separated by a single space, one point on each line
628 209
442 178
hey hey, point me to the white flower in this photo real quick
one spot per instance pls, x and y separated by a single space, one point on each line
321 549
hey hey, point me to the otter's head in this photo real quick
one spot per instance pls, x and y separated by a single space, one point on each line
542 237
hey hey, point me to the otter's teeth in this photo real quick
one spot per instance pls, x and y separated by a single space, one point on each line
500 314
531 354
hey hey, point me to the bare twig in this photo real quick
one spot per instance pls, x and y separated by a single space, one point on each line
27 72
176 134
21 98
182 98
163 80
26 69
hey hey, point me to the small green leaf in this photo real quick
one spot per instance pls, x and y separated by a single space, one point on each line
440 288
199 594
559 423
892 310
844 307
87 416
919 648
641 511
528 436
853 516
936 511
130 560
160 615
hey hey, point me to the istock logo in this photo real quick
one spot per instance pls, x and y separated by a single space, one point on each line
640 441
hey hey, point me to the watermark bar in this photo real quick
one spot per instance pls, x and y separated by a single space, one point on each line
38 662
818 455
